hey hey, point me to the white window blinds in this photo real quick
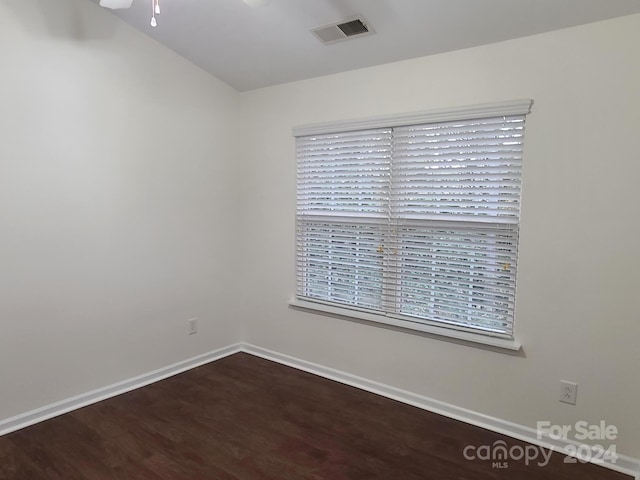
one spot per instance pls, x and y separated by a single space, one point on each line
343 214
417 222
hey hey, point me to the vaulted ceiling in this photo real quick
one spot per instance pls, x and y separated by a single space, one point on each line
255 47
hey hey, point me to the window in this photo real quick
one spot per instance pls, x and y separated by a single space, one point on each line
415 219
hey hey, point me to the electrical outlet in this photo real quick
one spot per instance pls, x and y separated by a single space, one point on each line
568 392
193 326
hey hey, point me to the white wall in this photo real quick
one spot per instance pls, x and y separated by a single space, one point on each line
578 300
115 179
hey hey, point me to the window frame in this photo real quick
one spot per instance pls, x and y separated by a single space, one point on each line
458 332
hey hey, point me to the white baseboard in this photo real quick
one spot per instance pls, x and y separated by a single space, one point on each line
59 408
626 465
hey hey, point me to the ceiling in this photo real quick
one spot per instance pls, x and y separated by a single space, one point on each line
250 48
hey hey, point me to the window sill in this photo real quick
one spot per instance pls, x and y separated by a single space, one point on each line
461 335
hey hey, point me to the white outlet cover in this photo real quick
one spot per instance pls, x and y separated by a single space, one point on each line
193 326
568 392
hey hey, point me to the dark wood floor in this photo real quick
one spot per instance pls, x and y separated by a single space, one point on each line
244 418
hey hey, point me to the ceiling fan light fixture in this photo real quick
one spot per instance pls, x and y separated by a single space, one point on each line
155 10
116 4
155 6
257 3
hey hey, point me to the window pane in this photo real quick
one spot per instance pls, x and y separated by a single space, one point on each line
467 170
344 173
458 274
341 263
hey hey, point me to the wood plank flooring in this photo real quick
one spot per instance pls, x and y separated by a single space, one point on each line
245 418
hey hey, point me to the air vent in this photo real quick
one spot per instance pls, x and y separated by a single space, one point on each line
344 30
354 27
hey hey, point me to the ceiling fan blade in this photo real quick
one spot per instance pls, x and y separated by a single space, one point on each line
257 3
115 4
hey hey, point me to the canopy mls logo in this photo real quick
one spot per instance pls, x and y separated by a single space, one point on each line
500 453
